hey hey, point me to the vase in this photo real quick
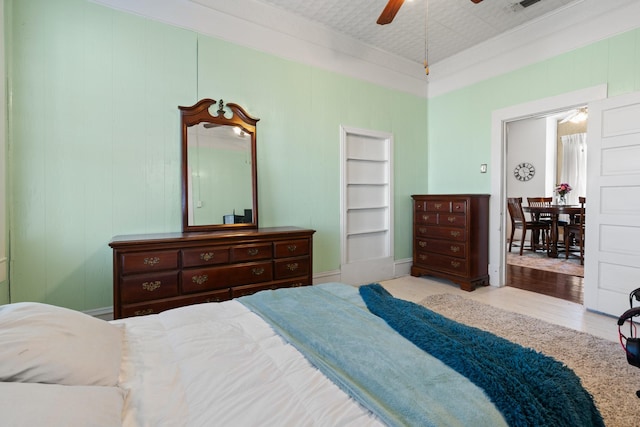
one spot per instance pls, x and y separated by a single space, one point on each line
562 199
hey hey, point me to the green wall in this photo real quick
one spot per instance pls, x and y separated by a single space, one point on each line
93 147
459 131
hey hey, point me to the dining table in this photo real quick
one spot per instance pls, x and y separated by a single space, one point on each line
554 211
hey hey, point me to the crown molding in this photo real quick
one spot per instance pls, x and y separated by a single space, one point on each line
268 29
256 25
576 25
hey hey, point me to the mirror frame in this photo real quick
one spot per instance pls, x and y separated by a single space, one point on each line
199 113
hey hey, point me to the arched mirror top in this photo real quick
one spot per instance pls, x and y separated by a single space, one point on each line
219 176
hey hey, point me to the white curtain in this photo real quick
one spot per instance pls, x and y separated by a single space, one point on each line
574 165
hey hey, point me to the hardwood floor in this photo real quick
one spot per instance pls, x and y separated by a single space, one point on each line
556 285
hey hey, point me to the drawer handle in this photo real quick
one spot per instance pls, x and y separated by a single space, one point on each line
455 233
257 271
143 312
455 249
455 264
422 230
206 256
451 219
216 299
425 217
422 244
200 279
297 285
253 251
292 248
423 257
293 266
152 261
151 286
438 205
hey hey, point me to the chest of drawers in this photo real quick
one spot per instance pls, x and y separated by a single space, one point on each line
153 273
451 238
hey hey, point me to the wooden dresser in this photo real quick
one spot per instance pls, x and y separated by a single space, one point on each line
152 273
451 238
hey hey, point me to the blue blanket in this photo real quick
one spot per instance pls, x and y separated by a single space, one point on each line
330 325
529 388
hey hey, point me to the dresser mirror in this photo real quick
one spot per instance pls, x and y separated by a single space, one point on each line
219 177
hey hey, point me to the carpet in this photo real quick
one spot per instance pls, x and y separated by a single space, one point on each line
600 364
540 261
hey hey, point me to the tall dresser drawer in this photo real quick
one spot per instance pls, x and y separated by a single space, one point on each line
148 261
442 247
200 279
426 217
443 263
142 287
453 219
438 206
448 233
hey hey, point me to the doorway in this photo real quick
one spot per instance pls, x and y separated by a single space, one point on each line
500 118
546 144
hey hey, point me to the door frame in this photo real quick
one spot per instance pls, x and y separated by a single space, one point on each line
497 202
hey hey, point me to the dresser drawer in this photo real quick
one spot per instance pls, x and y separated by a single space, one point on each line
426 218
141 287
442 263
420 205
205 256
201 279
251 252
447 233
148 261
291 248
459 206
438 206
452 219
292 267
443 247
154 307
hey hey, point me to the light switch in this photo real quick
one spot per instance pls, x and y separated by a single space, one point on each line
483 168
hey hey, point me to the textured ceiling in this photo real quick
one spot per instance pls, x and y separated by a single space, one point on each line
452 25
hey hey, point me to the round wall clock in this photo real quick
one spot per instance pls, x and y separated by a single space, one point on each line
524 171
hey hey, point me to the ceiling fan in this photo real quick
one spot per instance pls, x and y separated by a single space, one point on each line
392 8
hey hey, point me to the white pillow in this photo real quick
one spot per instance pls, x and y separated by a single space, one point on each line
41 343
24 404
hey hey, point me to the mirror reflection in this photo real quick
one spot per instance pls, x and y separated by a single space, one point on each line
219 161
219 178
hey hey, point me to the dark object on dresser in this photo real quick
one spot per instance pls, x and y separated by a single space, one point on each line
156 272
451 238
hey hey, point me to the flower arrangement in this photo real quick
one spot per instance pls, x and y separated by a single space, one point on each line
563 189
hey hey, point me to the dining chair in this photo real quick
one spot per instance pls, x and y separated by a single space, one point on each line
544 217
519 221
574 233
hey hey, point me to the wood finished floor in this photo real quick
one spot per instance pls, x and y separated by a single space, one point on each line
557 285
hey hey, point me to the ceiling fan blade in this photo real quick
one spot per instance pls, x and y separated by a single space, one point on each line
389 12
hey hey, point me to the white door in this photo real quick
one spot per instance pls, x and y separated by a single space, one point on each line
366 206
612 235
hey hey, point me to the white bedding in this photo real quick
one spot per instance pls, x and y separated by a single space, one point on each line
220 364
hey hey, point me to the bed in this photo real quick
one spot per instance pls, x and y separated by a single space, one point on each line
323 355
